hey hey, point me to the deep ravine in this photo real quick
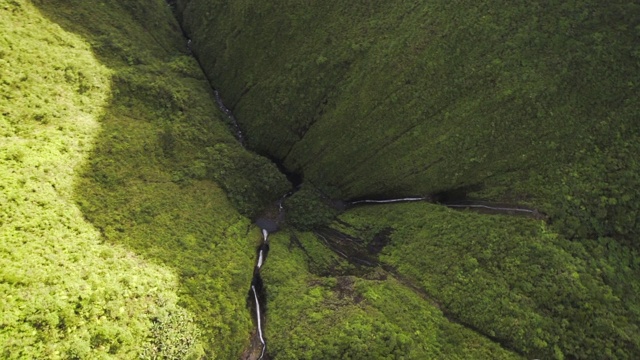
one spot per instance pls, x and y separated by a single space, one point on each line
230 116
257 296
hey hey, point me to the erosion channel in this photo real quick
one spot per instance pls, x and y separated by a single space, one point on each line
341 244
447 191
319 180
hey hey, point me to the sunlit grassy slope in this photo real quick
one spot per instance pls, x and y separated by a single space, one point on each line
120 183
64 293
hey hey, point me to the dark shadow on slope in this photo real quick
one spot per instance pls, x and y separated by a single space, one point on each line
147 184
143 186
454 195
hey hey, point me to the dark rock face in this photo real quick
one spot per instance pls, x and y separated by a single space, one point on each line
267 224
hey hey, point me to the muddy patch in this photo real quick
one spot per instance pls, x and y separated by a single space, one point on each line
379 241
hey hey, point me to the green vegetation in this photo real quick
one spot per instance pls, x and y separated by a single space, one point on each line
311 316
125 198
535 103
518 102
117 238
308 208
514 279
64 293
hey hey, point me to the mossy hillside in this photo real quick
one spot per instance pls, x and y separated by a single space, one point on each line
64 292
534 102
309 208
151 179
157 79
513 278
314 316
529 103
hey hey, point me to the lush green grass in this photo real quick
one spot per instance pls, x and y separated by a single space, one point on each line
64 292
514 279
312 316
112 146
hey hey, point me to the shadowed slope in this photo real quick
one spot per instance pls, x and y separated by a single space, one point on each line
64 292
532 102
162 177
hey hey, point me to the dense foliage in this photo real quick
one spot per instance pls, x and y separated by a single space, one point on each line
64 292
374 316
533 101
124 196
103 107
308 208
514 279
516 102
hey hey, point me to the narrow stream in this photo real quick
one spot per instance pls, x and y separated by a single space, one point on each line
230 116
476 205
257 295
387 201
488 207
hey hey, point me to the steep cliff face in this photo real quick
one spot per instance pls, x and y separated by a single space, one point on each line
534 103
370 99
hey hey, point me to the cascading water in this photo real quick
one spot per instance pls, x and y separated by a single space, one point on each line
229 114
494 207
387 201
256 293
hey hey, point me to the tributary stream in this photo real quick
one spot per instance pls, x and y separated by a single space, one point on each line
257 295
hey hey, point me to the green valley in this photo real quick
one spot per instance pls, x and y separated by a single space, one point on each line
127 204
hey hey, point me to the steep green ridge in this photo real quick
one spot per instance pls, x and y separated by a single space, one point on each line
120 231
64 292
534 102
517 102
513 278
313 315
